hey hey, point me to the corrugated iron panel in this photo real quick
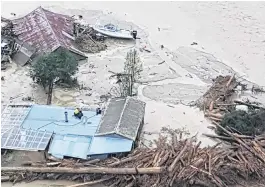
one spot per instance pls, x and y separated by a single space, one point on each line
131 118
109 144
123 117
70 146
52 119
43 30
25 139
112 116
13 116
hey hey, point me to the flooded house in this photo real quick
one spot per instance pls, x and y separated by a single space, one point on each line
56 131
41 32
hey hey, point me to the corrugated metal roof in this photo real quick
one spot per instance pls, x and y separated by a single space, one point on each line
112 115
13 116
52 119
123 117
108 144
70 145
25 139
44 30
131 118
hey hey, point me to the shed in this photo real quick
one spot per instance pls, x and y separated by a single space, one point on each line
24 52
124 117
70 146
33 127
47 31
112 145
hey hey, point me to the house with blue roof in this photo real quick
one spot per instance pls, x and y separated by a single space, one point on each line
57 130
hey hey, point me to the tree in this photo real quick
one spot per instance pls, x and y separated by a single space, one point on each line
59 65
132 70
133 65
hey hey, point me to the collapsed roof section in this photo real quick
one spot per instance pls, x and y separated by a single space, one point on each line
123 116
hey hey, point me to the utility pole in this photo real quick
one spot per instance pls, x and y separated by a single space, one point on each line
129 88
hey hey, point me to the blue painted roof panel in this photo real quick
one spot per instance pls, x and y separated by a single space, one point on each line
52 118
70 145
108 144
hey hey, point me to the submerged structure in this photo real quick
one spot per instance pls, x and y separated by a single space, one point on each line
56 130
45 31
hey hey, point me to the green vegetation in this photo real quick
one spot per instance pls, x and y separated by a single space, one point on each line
251 123
56 67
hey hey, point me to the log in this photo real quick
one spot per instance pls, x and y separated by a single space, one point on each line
218 115
52 158
51 164
4 178
218 137
131 184
90 183
230 80
163 160
211 105
172 166
101 170
91 162
125 160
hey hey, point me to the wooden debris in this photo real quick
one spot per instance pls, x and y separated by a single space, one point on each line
84 170
90 183
181 162
5 178
249 104
86 44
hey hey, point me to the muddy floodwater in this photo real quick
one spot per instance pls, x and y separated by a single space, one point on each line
44 183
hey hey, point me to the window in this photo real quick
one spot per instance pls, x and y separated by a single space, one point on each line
17 46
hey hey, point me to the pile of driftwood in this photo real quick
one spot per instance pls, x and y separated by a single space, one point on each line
175 161
220 93
221 98
87 42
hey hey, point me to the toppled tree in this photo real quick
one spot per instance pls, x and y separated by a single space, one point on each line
132 70
58 66
248 123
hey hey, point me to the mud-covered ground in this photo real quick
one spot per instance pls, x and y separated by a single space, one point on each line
172 77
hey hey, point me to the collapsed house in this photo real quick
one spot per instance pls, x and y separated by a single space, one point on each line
55 130
7 40
41 32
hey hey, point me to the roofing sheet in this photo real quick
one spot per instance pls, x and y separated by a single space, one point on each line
108 144
24 139
52 119
70 145
123 117
131 118
112 116
13 116
45 30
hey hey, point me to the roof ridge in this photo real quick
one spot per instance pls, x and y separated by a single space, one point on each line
22 16
119 122
44 13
